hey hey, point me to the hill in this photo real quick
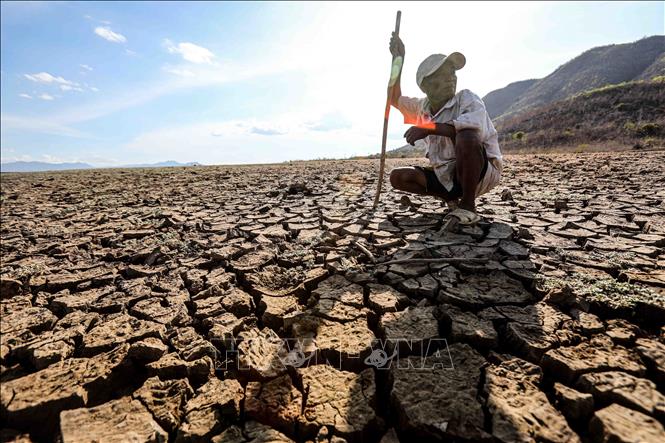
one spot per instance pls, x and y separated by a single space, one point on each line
655 69
406 151
499 100
597 67
630 113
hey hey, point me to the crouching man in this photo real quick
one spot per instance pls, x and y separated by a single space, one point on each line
460 139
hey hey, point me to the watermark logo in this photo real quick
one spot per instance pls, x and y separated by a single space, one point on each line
378 358
281 353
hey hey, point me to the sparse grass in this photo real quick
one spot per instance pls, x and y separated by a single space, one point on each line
605 88
584 147
170 240
621 260
607 291
25 271
650 142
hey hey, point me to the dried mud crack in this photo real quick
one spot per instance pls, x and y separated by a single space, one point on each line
270 303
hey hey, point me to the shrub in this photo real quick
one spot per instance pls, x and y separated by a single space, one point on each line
650 142
648 129
629 127
519 135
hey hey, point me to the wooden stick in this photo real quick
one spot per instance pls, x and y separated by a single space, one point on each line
389 244
365 251
382 163
435 260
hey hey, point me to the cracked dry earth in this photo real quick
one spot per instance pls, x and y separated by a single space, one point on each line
150 305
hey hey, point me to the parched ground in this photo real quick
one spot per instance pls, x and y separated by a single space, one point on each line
239 304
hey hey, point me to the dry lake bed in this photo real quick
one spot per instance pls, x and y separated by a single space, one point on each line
255 304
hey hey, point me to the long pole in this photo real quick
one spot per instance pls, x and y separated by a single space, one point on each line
395 71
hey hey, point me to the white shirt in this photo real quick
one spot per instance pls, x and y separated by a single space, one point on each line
465 110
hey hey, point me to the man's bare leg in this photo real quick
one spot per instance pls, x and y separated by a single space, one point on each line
469 166
411 180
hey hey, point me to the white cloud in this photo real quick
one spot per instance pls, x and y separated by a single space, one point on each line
45 77
190 52
107 34
91 18
70 88
86 67
52 159
181 72
93 89
130 52
266 130
25 95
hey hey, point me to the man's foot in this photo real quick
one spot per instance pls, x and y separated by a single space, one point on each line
468 206
464 217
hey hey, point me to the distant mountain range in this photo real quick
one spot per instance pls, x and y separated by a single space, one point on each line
166 164
22 166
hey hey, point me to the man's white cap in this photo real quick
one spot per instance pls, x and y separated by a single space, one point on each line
435 61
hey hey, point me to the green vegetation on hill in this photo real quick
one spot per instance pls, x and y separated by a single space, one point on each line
628 113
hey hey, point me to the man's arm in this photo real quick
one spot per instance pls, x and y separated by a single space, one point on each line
415 133
444 130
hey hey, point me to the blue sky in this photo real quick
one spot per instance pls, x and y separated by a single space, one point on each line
112 83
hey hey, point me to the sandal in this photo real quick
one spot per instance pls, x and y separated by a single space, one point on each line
464 217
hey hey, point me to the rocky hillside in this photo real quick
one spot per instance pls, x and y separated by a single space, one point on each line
626 114
597 67
656 68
